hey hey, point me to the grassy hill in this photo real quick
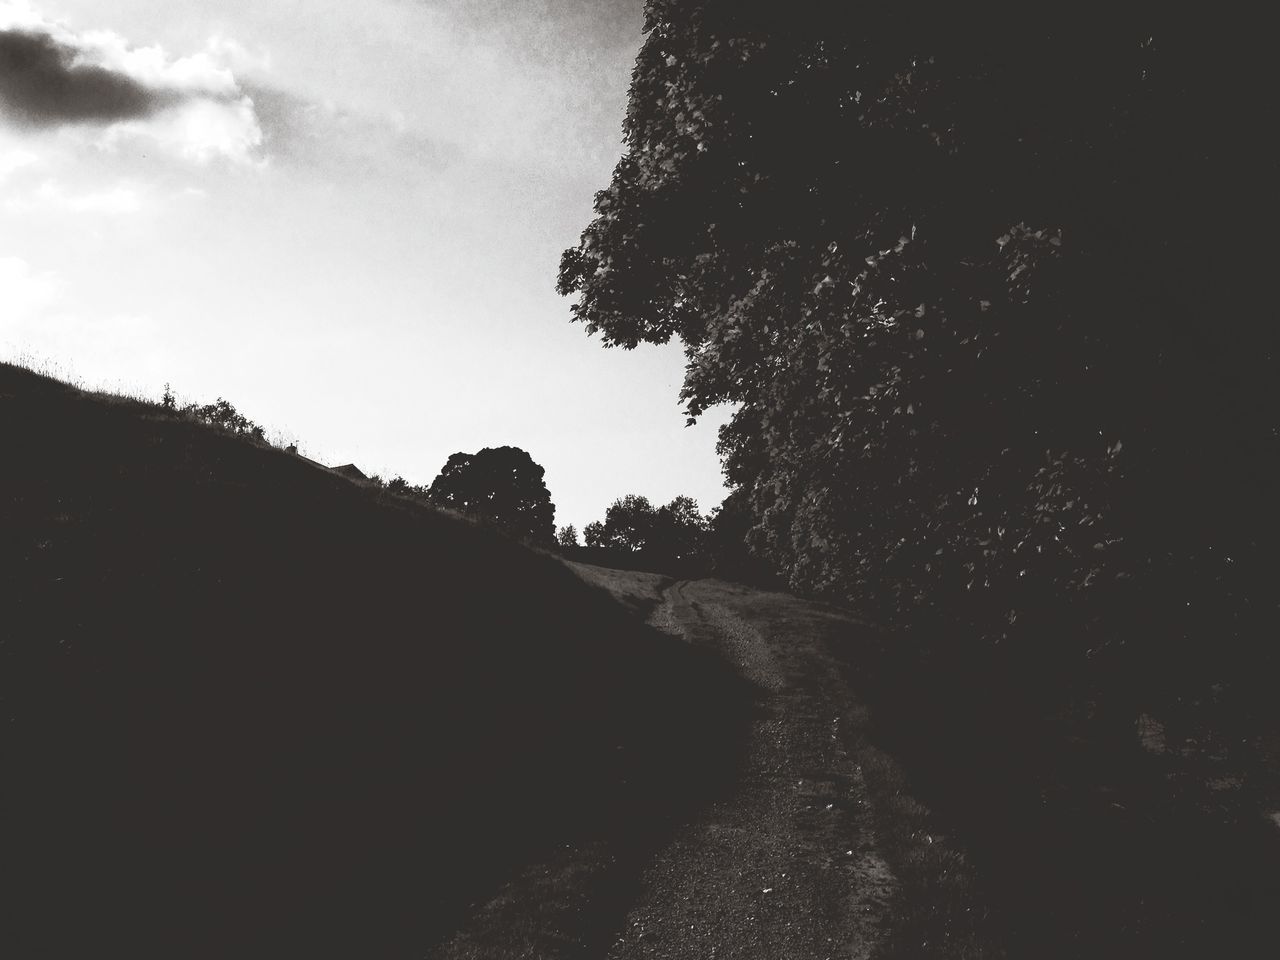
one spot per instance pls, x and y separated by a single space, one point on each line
249 707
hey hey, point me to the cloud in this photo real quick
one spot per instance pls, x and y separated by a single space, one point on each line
26 292
120 199
345 142
13 159
42 83
54 77
201 131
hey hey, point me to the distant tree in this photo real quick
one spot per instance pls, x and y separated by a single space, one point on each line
222 414
501 484
628 523
398 485
675 531
679 531
568 536
726 543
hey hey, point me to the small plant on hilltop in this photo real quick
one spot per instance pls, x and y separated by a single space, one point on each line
221 413
403 488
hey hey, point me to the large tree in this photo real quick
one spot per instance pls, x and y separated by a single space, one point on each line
957 272
674 531
502 485
679 530
628 524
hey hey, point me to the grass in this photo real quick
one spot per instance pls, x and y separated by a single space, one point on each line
1019 829
637 591
250 708
1061 836
940 910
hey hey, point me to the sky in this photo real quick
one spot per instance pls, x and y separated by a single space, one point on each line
345 218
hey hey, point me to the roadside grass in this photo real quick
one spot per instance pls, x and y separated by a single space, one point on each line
250 708
1061 836
1021 824
638 592
940 910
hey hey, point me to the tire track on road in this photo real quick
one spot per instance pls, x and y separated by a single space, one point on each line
787 867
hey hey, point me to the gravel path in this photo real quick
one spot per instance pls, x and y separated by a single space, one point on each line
786 867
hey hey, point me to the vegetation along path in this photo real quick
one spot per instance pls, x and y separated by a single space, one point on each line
783 863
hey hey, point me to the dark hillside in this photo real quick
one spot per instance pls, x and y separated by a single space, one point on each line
252 708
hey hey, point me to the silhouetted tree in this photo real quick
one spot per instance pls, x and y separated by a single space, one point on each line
628 523
727 549
221 413
679 531
501 484
568 536
954 271
675 531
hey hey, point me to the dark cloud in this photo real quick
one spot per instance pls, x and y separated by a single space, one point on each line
42 84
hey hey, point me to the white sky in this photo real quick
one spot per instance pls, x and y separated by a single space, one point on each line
347 220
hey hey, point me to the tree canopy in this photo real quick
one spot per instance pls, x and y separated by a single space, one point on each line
960 275
502 485
628 524
679 531
675 531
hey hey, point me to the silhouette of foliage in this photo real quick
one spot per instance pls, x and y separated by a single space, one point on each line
679 531
673 532
726 539
221 413
502 485
628 523
568 536
956 282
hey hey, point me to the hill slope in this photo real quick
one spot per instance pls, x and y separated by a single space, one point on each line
251 707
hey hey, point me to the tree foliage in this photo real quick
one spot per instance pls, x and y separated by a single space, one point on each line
675 531
679 530
961 276
628 524
502 485
221 413
593 534
567 536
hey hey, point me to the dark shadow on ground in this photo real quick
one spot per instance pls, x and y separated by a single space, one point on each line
1085 844
252 709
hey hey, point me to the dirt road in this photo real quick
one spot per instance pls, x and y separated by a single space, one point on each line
784 864
787 867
